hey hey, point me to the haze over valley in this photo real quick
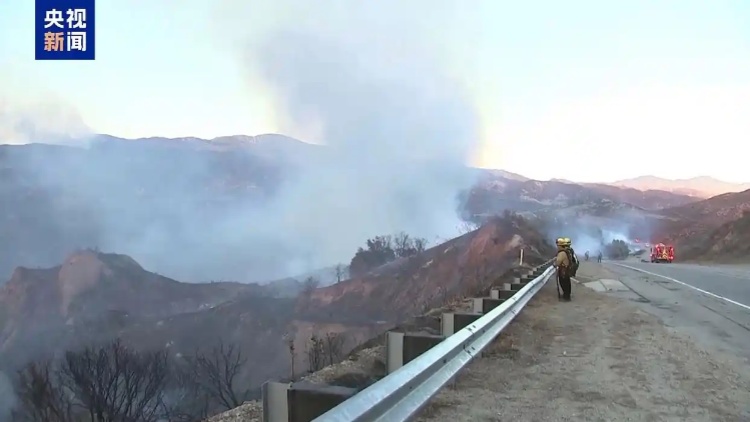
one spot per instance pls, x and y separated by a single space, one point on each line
378 164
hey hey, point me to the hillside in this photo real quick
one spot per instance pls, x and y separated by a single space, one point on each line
93 296
730 242
700 187
138 197
95 292
458 267
650 199
495 192
717 210
691 226
151 197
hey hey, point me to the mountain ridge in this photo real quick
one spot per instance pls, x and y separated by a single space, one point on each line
699 186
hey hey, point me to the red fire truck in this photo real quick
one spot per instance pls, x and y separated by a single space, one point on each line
662 253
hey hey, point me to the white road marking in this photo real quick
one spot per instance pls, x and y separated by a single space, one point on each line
714 295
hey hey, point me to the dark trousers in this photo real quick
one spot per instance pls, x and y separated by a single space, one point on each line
564 280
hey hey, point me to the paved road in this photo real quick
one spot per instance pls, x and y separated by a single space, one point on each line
709 303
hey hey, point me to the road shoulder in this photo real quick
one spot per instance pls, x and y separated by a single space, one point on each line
596 358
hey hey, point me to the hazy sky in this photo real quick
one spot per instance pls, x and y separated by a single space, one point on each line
619 88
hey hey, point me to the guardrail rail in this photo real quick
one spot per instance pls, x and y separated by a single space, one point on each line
417 368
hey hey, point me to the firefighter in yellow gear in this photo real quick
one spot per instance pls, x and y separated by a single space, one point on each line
571 256
563 265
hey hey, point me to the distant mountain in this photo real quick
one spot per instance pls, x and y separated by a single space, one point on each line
719 209
496 192
702 187
505 175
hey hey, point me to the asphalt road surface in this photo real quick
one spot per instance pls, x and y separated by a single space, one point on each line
709 303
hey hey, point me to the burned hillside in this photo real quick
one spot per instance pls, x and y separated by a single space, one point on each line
407 286
729 242
93 298
90 296
695 228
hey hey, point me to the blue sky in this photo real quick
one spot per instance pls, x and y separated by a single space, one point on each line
619 88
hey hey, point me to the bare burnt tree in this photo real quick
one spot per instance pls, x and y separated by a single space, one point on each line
467 227
114 383
292 356
420 244
216 375
406 246
315 353
40 396
339 271
402 244
186 401
333 347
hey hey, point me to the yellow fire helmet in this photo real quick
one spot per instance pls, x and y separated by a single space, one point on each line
560 241
567 241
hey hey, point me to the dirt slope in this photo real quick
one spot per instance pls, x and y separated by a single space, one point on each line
729 242
409 287
699 227
716 210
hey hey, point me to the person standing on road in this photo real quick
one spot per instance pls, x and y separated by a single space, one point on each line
562 264
599 257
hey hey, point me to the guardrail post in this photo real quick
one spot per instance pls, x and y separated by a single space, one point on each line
307 401
275 401
402 348
483 305
452 322
394 351
499 293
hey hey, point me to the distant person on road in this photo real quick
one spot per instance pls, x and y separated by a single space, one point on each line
587 255
562 264
599 257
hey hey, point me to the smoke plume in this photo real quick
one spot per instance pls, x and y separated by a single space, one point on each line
397 130
399 134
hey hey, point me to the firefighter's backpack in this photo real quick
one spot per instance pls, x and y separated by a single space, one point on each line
573 259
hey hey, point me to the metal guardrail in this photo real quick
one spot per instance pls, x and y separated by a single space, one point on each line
400 395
